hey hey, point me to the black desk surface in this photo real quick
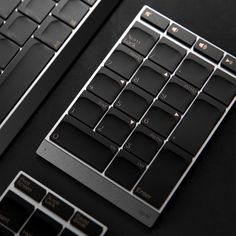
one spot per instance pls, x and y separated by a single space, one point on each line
205 204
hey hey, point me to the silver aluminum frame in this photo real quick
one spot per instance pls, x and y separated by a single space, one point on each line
98 182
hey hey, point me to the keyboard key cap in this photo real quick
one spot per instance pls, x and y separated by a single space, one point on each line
19 28
155 19
178 94
36 10
163 175
53 32
194 129
23 70
126 169
151 77
1 22
124 61
90 2
167 54
161 118
116 126
14 211
182 35
144 143
41 224
222 87
194 70
89 109
229 63
5 232
7 7
30 188
58 206
67 232
71 12
141 38
86 225
84 143
208 50
133 101
107 85
8 50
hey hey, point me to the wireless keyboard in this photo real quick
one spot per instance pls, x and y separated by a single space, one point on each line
38 41
142 120
29 208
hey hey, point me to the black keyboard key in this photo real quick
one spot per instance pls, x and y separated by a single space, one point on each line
151 77
163 175
22 71
71 12
178 94
222 87
182 35
19 28
58 207
144 143
141 38
126 169
90 2
41 224
124 61
36 10
7 7
84 143
208 50
116 126
197 124
195 70
167 54
229 63
107 85
89 109
53 32
86 225
30 188
155 19
67 232
5 232
161 118
133 101
8 50
14 211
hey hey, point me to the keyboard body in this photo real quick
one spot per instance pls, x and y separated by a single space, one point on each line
128 177
34 209
39 42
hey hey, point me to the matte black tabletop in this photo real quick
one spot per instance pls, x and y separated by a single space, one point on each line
205 204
